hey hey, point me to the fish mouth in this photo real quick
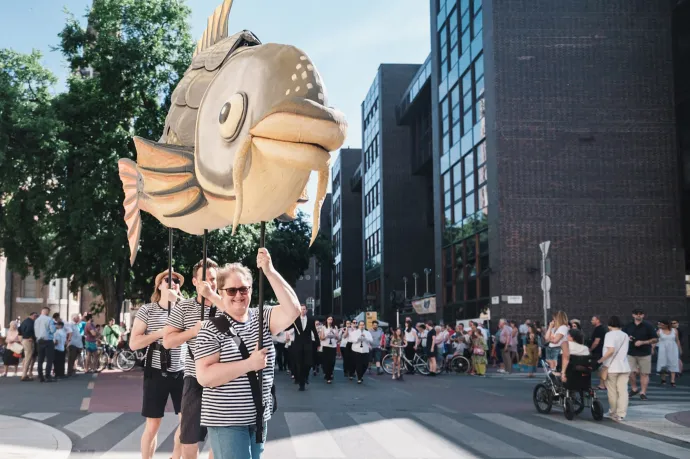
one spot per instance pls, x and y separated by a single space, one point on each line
303 122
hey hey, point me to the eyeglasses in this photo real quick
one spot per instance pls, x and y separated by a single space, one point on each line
232 291
175 280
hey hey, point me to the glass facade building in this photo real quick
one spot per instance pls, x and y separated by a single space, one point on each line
462 164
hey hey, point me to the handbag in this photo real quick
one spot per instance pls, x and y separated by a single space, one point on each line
478 351
604 372
16 348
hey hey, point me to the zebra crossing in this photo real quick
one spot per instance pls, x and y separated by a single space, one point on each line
386 435
656 393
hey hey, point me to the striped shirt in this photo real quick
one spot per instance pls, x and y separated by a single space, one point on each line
155 317
231 404
184 316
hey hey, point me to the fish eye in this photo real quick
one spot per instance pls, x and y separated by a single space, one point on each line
232 115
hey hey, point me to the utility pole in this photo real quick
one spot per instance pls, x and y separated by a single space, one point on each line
545 279
427 271
415 276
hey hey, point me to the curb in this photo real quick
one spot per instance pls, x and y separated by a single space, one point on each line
14 430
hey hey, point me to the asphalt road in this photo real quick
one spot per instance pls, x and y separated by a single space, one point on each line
449 416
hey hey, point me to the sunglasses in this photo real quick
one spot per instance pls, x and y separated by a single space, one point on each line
232 291
175 280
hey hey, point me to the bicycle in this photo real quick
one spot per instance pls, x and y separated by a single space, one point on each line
127 358
419 364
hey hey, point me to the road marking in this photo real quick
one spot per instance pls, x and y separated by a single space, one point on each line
132 442
39 416
472 438
402 391
391 437
447 410
310 438
489 392
564 442
89 424
624 436
424 435
91 384
86 401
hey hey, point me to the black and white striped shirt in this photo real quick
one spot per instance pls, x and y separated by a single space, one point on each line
184 316
155 317
232 404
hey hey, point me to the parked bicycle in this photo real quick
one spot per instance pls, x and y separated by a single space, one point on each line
418 364
127 359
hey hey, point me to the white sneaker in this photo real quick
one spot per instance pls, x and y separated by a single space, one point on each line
609 415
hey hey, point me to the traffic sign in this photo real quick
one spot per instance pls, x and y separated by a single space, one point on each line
546 283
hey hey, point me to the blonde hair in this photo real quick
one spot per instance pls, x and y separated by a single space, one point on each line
156 295
560 318
233 268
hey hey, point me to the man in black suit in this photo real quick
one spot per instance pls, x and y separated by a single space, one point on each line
302 348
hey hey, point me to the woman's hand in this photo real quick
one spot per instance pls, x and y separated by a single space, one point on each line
258 359
263 261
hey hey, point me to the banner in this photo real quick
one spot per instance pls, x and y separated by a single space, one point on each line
370 318
425 305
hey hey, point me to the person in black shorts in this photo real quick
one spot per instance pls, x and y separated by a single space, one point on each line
163 370
182 326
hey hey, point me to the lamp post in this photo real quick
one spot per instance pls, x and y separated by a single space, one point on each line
415 276
427 271
405 281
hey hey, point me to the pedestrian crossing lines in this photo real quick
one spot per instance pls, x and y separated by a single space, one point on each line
663 394
387 435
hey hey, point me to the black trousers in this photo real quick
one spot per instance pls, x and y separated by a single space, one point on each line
46 352
409 353
361 361
280 355
328 362
349 361
303 362
59 364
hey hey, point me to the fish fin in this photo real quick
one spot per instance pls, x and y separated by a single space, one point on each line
133 188
238 167
176 158
304 197
216 28
321 190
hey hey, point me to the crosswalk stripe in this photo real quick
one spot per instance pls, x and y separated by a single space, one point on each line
132 442
391 437
310 438
39 416
472 438
624 436
441 446
561 441
89 424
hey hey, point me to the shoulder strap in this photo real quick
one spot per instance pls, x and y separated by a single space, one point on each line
222 323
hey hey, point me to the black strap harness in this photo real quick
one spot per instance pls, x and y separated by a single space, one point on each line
222 324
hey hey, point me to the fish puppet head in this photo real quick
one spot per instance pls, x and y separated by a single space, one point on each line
264 122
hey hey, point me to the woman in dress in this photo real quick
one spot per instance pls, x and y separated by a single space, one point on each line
556 334
669 352
531 351
396 348
11 358
478 353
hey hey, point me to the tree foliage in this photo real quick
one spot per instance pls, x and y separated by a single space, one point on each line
61 195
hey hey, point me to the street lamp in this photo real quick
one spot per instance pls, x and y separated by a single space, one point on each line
427 271
415 276
405 281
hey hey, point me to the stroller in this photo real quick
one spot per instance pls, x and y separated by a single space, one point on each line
574 395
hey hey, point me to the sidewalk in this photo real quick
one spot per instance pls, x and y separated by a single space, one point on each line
22 438
669 420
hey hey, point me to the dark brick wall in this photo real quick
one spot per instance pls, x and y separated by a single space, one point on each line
407 238
326 270
351 224
582 151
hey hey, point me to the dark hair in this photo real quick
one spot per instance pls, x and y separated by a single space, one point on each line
210 263
577 335
61 324
33 314
88 317
614 322
430 323
375 322
666 322
56 315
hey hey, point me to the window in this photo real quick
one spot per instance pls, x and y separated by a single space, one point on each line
29 285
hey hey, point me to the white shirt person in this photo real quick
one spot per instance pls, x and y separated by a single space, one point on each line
362 342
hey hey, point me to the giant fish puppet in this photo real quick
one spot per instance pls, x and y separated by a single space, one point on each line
248 123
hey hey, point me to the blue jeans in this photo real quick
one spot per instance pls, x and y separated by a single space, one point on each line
235 442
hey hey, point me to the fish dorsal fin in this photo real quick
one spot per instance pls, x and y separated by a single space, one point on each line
216 28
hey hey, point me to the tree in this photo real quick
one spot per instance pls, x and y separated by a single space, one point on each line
135 52
29 150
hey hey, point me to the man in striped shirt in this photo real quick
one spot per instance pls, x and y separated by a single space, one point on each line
182 326
163 374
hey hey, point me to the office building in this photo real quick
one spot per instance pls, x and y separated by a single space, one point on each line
554 121
397 230
324 282
346 230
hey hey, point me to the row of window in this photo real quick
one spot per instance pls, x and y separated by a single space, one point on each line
464 187
337 249
336 211
372 245
337 276
463 106
466 269
455 36
371 199
372 115
336 180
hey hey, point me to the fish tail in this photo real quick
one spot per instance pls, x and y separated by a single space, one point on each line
237 177
132 184
321 189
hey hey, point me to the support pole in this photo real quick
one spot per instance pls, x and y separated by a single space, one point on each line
212 312
260 373
170 248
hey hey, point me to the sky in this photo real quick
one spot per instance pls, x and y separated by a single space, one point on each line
347 40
